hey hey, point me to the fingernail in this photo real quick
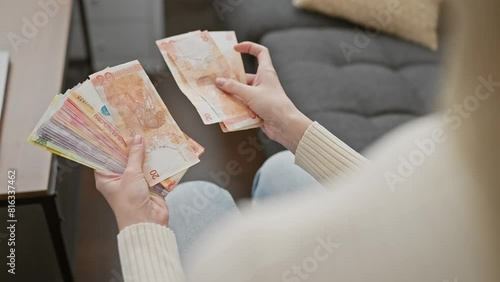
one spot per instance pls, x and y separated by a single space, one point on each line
219 81
137 140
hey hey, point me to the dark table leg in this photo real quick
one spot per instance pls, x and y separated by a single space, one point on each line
54 222
86 35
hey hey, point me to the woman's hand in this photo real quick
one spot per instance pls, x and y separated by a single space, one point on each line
263 93
128 193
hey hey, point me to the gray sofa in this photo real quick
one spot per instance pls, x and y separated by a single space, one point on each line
359 97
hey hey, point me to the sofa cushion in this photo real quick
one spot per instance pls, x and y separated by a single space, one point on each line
416 21
361 96
251 19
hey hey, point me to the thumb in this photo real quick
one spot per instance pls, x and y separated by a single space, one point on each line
136 155
235 88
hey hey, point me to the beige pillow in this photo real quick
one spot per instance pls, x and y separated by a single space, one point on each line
414 20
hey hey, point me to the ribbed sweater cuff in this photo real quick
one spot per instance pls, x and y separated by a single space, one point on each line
148 252
324 156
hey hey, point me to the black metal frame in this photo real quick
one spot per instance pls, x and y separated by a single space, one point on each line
53 218
86 35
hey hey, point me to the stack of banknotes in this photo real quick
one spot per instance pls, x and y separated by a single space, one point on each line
195 60
93 123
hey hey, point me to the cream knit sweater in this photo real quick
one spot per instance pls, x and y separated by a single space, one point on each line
148 252
432 226
425 209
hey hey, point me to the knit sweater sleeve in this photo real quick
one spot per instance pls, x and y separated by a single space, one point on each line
324 156
148 252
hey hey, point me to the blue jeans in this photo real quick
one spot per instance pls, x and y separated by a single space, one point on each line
196 206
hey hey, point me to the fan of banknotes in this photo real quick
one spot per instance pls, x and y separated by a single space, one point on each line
93 122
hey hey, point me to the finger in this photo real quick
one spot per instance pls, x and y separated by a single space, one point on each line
254 49
136 155
235 88
250 78
102 178
157 199
105 175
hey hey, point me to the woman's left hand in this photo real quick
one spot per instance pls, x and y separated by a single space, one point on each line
128 193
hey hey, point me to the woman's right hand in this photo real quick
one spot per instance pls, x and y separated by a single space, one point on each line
264 95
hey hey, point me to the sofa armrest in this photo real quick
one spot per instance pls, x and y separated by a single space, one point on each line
251 19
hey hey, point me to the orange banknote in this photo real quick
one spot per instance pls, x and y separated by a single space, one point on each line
226 40
195 60
169 184
136 108
204 109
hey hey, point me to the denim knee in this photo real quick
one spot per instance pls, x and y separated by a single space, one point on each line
199 195
279 175
279 160
195 207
